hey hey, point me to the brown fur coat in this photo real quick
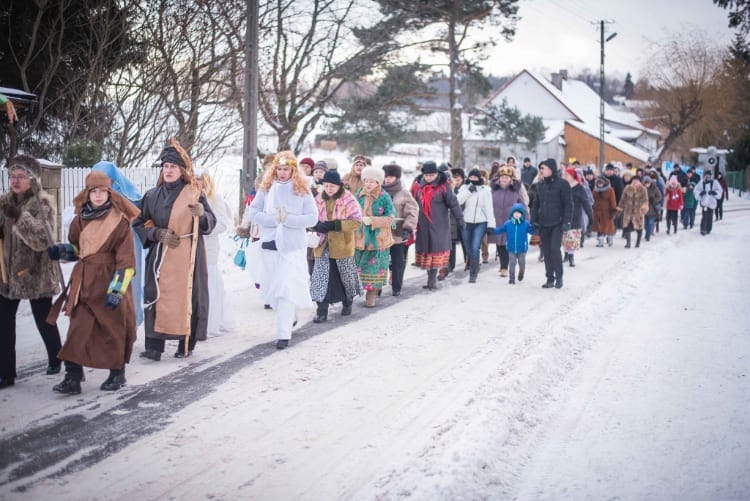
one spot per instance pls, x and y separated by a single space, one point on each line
31 274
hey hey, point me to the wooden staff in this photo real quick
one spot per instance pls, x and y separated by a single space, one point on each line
191 272
3 271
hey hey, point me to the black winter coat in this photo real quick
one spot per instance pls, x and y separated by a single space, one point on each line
553 203
581 204
616 183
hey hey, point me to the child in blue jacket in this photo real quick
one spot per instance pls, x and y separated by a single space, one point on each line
518 231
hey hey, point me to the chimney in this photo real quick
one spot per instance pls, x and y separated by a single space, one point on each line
564 74
557 79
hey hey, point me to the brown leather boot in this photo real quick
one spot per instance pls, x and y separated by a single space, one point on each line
370 297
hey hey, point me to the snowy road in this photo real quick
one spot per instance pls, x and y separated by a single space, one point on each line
629 383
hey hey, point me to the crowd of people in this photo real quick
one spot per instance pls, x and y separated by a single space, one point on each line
315 239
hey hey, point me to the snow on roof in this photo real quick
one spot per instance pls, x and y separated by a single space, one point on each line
611 140
17 93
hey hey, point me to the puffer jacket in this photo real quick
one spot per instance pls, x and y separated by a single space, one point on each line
553 204
477 205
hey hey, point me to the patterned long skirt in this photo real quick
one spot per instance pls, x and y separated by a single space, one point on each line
433 260
373 267
333 280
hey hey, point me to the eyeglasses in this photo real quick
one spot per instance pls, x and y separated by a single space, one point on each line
18 177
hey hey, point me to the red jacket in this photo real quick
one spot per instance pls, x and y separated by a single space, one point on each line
675 201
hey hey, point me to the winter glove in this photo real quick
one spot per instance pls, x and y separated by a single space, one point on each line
566 226
281 215
366 221
167 237
113 300
406 235
490 231
712 193
536 227
66 252
242 232
11 211
325 226
117 287
472 188
702 194
196 209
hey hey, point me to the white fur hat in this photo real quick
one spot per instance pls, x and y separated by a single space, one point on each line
373 173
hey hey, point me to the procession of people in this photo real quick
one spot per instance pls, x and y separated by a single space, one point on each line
316 239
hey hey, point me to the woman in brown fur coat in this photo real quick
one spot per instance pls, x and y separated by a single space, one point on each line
605 209
26 271
634 205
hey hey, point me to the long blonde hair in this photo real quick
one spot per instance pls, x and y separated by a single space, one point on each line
300 184
209 186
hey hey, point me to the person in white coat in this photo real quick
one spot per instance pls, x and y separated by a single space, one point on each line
476 199
708 192
217 319
283 208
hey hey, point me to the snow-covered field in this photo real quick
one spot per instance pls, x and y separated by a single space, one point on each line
631 382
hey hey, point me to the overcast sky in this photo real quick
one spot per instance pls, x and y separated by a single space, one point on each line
564 34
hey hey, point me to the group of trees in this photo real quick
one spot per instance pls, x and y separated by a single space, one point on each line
122 76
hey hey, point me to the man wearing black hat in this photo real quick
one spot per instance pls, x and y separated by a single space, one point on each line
166 228
551 214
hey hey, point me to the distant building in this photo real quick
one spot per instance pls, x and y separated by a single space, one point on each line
570 111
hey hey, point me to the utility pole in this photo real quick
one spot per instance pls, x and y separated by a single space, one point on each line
602 41
250 140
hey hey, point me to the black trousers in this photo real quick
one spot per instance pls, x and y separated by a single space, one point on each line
398 265
707 220
158 344
50 335
720 209
551 241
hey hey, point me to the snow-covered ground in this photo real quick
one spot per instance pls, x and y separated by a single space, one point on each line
631 382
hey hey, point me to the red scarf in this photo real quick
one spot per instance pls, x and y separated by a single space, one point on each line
427 192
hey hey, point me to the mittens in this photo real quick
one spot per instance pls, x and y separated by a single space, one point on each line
196 209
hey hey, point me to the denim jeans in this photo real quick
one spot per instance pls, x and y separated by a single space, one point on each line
649 224
473 234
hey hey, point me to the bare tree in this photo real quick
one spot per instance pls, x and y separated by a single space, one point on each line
183 86
308 51
681 76
63 51
457 38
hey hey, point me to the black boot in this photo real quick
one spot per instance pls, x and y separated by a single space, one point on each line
151 355
558 283
473 270
627 240
431 280
520 274
571 261
322 314
638 234
115 381
71 385
549 284
346 308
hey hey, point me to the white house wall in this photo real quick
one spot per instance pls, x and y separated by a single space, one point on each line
528 95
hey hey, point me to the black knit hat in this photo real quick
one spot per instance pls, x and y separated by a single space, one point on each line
429 167
332 177
392 170
171 155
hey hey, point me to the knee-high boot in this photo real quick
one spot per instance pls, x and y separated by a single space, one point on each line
627 239
638 234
